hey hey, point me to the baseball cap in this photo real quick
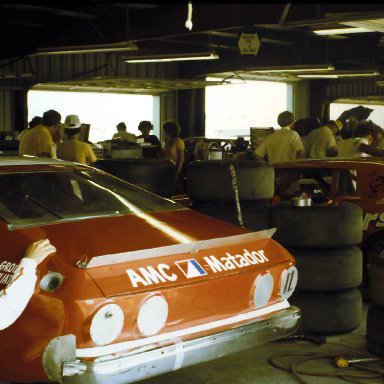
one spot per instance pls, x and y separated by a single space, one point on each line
72 122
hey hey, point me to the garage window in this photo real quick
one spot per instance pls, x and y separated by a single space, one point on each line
103 111
231 110
376 116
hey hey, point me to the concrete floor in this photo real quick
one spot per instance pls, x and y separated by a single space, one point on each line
252 366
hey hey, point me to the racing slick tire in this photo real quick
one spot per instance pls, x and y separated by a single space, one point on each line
372 253
375 329
255 216
376 279
329 313
331 226
155 175
210 180
328 270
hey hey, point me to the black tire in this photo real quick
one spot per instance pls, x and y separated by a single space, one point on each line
210 180
372 253
375 329
376 280
317 226
155 175
328 270
329 313
255 216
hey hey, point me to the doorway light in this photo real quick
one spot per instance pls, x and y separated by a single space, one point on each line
78 49
173 57
295 68
340 74
341 31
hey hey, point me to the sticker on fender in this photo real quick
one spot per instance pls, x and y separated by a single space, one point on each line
191 268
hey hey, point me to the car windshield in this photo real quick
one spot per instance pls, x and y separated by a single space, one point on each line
32 198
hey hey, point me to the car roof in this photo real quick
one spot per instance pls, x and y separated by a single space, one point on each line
30 160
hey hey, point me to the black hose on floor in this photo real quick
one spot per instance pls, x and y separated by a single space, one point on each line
358 373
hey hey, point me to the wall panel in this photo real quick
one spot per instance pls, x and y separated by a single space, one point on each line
6 110
352 88
65 68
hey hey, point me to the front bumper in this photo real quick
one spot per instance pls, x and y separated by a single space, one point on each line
138 365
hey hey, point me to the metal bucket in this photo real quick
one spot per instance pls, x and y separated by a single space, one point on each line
301 201
215 154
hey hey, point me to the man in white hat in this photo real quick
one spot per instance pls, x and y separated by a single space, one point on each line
72 149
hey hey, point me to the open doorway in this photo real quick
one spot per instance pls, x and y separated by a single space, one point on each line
376 116
103 111
231 110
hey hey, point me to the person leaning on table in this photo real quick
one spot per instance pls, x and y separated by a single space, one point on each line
15 297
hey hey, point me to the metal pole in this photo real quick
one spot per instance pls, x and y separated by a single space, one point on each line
232 173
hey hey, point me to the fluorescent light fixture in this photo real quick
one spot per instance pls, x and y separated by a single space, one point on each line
173 57
12 75
373 25
295 68
340 74
78 49
341 31
317 76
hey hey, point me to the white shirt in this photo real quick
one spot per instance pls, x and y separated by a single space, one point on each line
318 141
15 297
124 135
280 146
349 147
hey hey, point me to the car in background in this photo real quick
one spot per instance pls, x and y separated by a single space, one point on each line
138 286
334 181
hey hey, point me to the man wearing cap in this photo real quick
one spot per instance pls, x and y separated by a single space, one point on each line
321 142
39 140
72 149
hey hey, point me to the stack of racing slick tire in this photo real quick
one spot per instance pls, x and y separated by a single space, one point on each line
323 241
375 314
238 192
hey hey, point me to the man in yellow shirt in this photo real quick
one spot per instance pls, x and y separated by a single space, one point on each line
174 146
72 149
38 141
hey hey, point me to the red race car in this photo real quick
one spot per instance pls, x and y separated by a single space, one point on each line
138 286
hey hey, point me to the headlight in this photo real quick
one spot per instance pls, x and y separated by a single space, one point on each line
51 281
288 281
263 290
152 315
107 324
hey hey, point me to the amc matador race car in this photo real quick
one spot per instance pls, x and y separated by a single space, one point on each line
138 286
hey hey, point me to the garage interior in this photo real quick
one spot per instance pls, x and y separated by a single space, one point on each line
325 51
84 47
